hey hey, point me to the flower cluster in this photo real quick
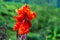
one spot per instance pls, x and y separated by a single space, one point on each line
23 20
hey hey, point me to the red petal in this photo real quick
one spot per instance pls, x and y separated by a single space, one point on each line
34 15
16 26
19 12
19 17
23 32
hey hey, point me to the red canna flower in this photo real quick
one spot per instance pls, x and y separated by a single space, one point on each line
23 24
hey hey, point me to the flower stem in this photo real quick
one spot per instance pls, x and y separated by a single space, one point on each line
23 37
17 35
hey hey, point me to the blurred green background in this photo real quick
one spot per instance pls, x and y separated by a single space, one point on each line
46 26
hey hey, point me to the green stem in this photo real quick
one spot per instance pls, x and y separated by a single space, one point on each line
17 36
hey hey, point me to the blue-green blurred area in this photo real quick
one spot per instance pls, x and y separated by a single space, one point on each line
46 26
